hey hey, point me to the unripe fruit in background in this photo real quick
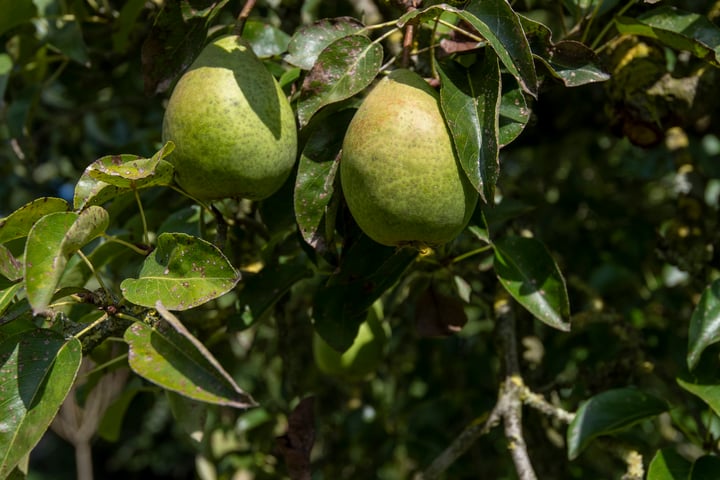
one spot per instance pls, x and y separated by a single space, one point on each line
363 356
399 172
233 128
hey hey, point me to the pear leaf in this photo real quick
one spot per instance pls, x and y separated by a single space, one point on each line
19 222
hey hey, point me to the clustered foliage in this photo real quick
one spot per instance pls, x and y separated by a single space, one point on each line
162 334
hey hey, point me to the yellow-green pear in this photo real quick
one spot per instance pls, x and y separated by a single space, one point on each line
363 357
399 172
233 128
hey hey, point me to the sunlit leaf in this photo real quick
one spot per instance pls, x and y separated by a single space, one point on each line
19 223
51 242
344 68
182 272
529 273
37 369
709 392
307 43
10 267
6 65
676 29
315 181
610 412
704 324
171 357
667 464
7 296
569 61
470 100
265 40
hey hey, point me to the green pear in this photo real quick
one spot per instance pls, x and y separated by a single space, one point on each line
399 171
363 356
233 128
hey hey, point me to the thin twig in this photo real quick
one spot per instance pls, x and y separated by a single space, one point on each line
243 16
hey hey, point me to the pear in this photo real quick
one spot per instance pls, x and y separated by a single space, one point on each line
233 128
399 171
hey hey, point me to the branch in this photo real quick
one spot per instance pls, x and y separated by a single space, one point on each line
243 16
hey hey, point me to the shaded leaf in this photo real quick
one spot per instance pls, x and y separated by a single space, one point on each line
346 67
500 25
260 292
175 39
37 369
709 392
307 42
667 464
470 100
265 40
10 267
15 13
438 315
171 357
6 65
704 327
610 412
676 29
705 468
7 295
569 61
366 271
529 273
51 242
296 445
126 21
182 272
110 426
315 181
19 223
66 36
514 113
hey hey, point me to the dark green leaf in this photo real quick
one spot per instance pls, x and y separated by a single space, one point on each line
470 100
569 61
307 43
514 113
667 464
704 324
260 292
171 357
500 25
66 37
126 21
529 273
677 29
19 223
110 426
367 270
37 369
182 272
6 65
344 68
610 412
315 181
705 468
51 242
266 41
709 392
15 13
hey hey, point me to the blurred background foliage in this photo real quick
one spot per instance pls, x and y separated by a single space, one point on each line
620 181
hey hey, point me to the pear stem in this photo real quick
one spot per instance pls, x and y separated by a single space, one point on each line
242 18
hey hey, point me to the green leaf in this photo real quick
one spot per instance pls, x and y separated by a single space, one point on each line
260 292
266 40
514 113
66 37
19 223
168 355
315 181
15 13
500 25
51 242
182 272
470 100
113 175
709 392
307 43
529 273
37 369
569 61
610 412
126 21
676 29
704 327
705 468
6 65
10 267
346 67
366 271
7 295
667 464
